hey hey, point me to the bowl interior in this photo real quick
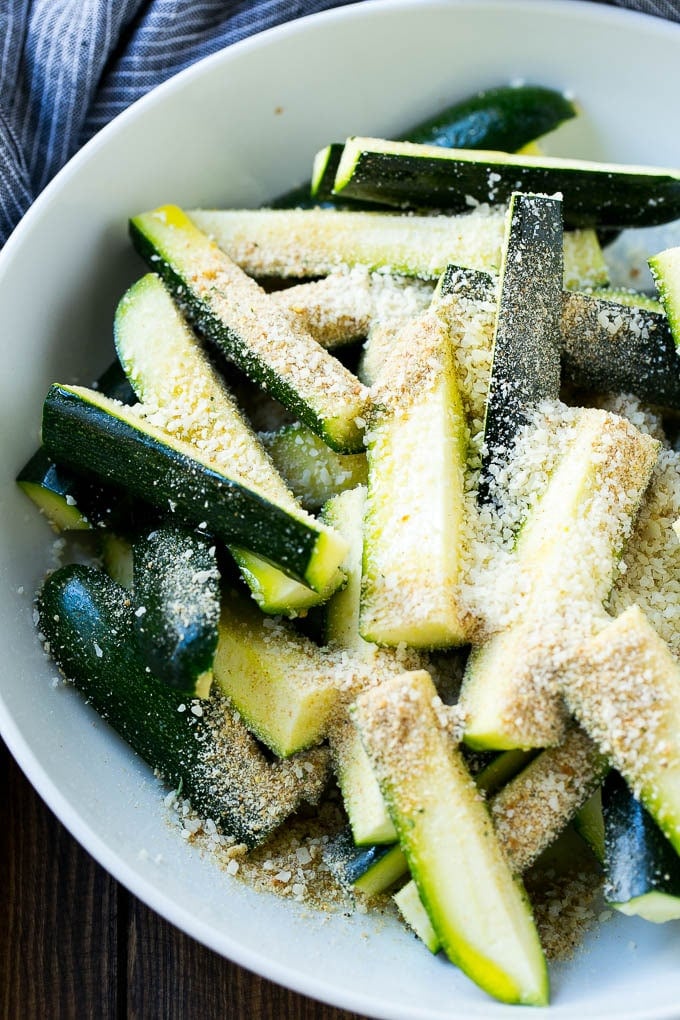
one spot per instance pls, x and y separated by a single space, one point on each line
238 128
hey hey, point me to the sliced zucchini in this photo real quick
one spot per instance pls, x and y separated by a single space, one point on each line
370 870
589 824
116 444
414 523
477 908
88 621
335 311
364 803
116 554
535 806
611 340
281 684
665 269
624 688
324 169
315 242
183 394
425 176
59 494
508 118
642 870
313 471
525 367
415 915
73 502
177 593
567 554
233 312
503 767
608 346
532 809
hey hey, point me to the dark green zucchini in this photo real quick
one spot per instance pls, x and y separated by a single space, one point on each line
229 309
642 870
88 621
368 869
71 501
609 347
526 345
177 591
611 340
427 177
115 444
505 118
58 492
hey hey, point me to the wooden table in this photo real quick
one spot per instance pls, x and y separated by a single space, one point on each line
76 944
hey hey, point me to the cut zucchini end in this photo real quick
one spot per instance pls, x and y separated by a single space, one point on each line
430 635
665 268
344 434
274 592
414 914
656 907
203 684
324 574
62 515
535 991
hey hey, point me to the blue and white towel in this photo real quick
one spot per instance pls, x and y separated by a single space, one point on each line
68 66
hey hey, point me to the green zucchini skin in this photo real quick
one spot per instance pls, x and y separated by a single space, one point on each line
611 341
89 438
526 345
177 583
71 501
638 859
88 621
610 347
312 385
595 194
504 118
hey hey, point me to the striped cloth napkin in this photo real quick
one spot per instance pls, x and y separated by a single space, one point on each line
68 66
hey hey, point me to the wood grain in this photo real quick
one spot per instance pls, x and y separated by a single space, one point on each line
76 945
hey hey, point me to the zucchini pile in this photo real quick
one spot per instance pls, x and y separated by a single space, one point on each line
408 509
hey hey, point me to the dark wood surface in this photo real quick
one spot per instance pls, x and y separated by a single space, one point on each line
76 944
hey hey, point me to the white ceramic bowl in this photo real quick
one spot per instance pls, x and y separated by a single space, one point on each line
233 130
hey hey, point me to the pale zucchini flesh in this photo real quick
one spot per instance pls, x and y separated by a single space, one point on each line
182 391
312 470
624 688
567 551
279 681
415 915
415 508
233 312
304 243
477 908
